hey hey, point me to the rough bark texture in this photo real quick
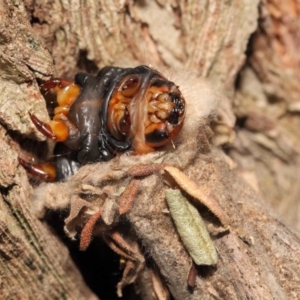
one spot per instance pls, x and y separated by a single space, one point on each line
267 103
259 257
34 263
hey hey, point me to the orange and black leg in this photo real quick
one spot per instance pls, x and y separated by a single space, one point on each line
67 92
57 129
45 171
63 166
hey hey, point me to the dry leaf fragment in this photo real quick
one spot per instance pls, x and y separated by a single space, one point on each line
128 250
160 289
129 276
131 249
186 184
76 206
110 211
191 228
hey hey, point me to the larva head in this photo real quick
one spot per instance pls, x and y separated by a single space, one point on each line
150 111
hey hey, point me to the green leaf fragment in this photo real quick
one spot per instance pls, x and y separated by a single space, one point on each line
191 228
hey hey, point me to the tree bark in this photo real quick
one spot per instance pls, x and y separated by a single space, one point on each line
34 263
259 256
267 104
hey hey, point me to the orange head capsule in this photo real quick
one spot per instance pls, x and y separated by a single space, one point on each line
146 108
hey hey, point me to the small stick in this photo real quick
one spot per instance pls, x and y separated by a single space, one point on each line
145 170
191 280
128 196
87 231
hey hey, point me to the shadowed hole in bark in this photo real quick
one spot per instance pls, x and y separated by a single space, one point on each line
99 265
86 65
240 122
206 271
